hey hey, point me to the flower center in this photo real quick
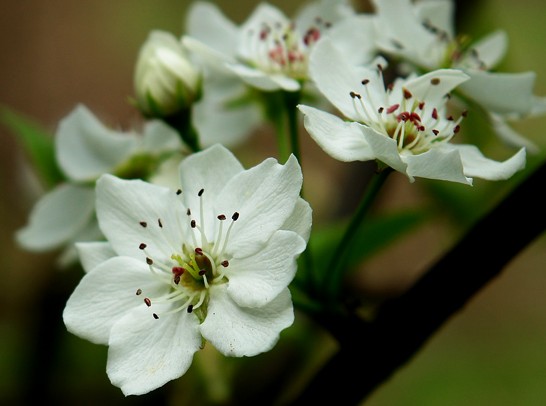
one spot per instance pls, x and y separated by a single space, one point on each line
455 51
194 266
281 48
413 124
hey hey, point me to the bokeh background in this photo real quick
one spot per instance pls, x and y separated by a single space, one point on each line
58 53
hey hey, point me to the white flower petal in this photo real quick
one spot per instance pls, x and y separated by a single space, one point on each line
263 13
342 140
85 148
239 331
477 165
58 217
511 137
440 13
445 80
384 149
123 204
145 353
261 80
334 77
354 37
159 137
222 118
443 163
401 32
257 279
213 61
489 50
300 220
206 23
333 11
502 93
209 170
94 253
105 294
264 196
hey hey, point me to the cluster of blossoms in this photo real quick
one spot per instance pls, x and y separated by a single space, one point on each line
180 244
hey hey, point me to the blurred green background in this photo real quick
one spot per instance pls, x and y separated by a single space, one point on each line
58 53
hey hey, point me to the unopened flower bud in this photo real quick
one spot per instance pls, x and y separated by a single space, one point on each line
166 80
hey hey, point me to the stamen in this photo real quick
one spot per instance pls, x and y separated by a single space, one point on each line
155 316
143 224
139 292
149 261
179 191
160 223
147 301
142 246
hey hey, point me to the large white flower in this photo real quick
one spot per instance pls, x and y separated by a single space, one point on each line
268 51
405 126
423 33
85 149
210 261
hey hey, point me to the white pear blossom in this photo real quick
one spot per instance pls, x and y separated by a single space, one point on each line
166 80
209 262
268 51
423 33
84 150
405 126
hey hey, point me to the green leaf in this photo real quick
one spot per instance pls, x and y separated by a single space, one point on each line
372 237
36 142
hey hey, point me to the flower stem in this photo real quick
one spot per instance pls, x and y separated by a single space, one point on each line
291 100
334 272
181 122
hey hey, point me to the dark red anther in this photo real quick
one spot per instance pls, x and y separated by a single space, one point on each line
199 251
435 113
138 292
392 108
179 191
143 224
435 81
142 246
193 224
149 261
224 263
200 192
160 223
155 316
177 270
456 129
407 94
190 308
235 216
365 82
147 301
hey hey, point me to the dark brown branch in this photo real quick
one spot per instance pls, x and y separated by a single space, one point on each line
371 352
